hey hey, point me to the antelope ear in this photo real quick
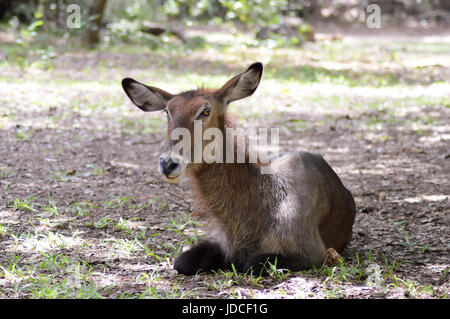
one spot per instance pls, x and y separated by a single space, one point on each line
242 85
147 98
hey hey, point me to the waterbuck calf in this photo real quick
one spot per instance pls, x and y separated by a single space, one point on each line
288 217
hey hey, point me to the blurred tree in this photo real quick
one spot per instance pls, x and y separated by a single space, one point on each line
96 11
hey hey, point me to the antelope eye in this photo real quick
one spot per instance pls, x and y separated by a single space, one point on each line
204 113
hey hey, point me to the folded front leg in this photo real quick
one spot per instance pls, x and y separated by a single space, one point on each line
205 256
259 263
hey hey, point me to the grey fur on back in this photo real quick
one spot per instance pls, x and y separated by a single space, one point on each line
284 213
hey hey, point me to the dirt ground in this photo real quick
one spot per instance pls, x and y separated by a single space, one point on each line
84 213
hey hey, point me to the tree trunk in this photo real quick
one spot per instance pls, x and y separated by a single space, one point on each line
96 8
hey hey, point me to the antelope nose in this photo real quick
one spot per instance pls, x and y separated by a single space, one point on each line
167 167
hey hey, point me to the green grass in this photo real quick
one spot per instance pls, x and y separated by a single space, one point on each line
53 273
24 205
50 272
53 276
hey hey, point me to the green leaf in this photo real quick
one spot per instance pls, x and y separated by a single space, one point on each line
35 25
